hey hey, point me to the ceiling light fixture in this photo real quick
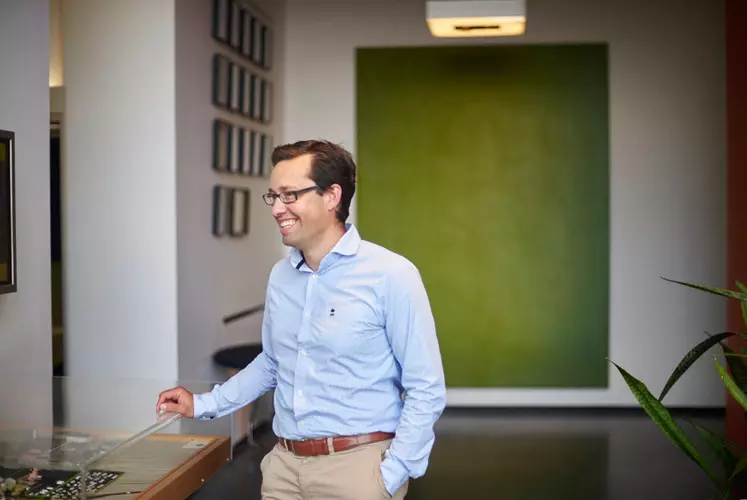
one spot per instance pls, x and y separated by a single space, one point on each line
475 18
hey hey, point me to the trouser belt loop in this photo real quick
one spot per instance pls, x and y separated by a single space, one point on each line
331 445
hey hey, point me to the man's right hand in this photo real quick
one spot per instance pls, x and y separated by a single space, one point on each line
177 400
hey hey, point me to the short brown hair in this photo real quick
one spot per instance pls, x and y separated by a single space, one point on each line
330 164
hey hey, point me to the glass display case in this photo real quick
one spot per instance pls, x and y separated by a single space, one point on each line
70 438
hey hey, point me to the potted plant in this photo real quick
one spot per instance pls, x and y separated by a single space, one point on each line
726 462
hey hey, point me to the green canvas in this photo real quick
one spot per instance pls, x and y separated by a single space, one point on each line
488 167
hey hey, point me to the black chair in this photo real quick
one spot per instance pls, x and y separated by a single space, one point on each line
234 359
237 357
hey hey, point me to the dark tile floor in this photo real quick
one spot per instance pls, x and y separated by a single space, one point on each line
528 455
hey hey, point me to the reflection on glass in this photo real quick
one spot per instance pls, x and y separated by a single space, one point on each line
60 437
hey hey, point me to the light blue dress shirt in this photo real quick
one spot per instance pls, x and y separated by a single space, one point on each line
349 349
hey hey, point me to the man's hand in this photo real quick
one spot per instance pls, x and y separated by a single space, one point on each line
177 400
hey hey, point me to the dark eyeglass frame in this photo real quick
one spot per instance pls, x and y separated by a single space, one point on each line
288 197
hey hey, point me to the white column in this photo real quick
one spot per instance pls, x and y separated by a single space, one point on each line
25 316
119 188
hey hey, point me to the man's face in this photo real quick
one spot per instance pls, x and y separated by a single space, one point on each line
309 216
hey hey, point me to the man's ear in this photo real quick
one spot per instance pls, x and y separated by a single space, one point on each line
333 197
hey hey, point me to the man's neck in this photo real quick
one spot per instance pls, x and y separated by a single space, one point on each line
314 254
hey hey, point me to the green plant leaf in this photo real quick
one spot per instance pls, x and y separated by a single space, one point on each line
718 446
725 451
718 291
690 358
661 417
744 302
736 366
735 355
739 467
732 386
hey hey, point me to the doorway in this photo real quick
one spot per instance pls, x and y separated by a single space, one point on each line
58 320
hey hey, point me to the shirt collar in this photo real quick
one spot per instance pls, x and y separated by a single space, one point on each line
347 245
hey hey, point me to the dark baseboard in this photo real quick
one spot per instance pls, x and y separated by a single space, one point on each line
575 411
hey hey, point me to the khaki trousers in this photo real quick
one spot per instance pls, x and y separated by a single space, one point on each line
348 475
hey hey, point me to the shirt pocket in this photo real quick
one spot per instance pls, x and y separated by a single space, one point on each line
349 327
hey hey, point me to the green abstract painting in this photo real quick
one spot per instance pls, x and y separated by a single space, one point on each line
488 167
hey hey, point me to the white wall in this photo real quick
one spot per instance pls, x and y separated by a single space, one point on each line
25 316
217 276
119 189
667 161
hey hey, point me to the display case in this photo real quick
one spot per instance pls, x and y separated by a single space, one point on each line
70 438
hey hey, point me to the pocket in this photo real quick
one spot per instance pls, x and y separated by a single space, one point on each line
263 464
349 328
382 487
380 477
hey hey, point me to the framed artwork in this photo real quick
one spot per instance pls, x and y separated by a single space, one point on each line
221 210
575 81
237 149
256 113
8 279
235 23
222 147
235 104
248 102
256 55
266 110
256 154
231 206
266 166
236 26
221 81
221 14
266 47
243 76
247 37
239 225
246 153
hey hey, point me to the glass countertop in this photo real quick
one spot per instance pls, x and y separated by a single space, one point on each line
49 425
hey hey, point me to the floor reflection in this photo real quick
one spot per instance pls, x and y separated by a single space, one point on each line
529 455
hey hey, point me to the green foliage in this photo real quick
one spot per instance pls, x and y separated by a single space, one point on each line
730 460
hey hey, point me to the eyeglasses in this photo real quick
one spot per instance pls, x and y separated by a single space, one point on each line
288 197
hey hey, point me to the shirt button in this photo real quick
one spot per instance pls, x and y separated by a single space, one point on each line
300 392
308 314
313 276
303 352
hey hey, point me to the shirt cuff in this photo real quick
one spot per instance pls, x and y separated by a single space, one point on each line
203 408
394 473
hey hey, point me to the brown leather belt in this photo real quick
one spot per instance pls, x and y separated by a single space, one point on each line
332 445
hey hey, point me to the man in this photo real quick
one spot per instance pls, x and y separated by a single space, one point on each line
349 345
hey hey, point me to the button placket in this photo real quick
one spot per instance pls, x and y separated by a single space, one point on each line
302 361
